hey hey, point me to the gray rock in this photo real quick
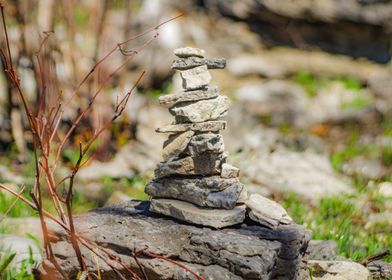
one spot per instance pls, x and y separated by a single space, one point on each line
229 171
118 167
188 52
312 176
366 168
267 212
176 144
244 195
191 62
284 101
380 270
208 142
23 226
20 246
195 78
213 183
117 197
194 95
380 221
338 270
93 191
212 126
134 157
205 164
242 252
201 111
322 250
226 198
385 189
9 176
184 211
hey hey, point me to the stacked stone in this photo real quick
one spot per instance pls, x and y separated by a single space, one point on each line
194 183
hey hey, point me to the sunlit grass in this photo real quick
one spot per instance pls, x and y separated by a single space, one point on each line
339 218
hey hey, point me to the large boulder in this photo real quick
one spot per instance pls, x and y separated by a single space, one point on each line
245 251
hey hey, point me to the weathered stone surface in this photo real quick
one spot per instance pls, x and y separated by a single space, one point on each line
338 270
21 246
206 197
194 95
195 78
213 183
267 212
239 253
380 270
243 195
184 211
362 167
229 171
201 111
176 144
208 142
322 250
191 62
212 126
188 52
205 164
227 198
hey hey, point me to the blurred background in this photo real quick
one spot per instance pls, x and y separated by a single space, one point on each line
310 124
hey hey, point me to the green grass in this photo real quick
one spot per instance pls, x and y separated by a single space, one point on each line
339 218
11 273
353 148
312 83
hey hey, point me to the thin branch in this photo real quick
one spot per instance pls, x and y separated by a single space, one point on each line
12 204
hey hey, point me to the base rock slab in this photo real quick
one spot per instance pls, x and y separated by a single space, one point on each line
246 251
184 211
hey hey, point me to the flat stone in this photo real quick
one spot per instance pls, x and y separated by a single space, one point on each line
205 164
207 142
229 171
233 253
338 270
188 52
195 78
201 111
194 95
226 198
267 212
244 195
191 62
211 126
176 144
216 218
212 183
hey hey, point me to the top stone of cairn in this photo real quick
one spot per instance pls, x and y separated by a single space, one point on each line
189 52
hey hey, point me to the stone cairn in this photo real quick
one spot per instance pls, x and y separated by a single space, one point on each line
194 183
